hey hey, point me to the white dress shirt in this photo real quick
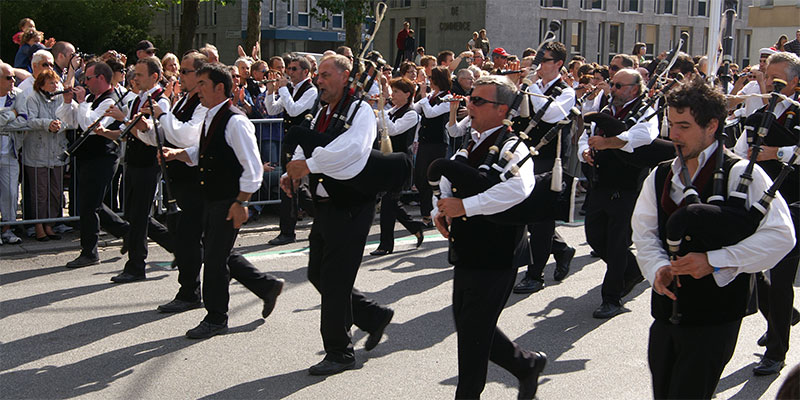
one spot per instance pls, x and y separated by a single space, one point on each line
240 135
592 105
751 104
181 134
741 146
409 120
424 107
501 196
81 115
149 136
760 251
346 155
557 110
641 134
460 128
285 102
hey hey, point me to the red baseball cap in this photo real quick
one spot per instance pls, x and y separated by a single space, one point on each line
500 52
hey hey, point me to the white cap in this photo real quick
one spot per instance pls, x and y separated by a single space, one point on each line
767 50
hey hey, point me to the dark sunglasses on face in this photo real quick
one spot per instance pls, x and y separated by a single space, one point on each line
9 78
47 65
479 101
621 85
187 71
614 68
293 68
544 60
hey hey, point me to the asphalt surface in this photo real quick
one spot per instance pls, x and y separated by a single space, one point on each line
72 333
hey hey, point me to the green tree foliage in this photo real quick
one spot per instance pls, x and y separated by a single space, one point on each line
92 25
355 14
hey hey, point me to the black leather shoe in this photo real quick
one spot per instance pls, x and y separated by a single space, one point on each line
768 367
124 248
528 285
83 261
562 263
762 341
327 367
420 234
126 277
607 310
272 297
177 305
379 252
529 384
376 335
628 286
281 240
206 330
54 236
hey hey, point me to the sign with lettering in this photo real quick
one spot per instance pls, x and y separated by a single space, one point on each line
454 26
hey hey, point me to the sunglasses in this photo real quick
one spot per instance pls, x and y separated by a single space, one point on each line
545 59
90 77
47 65
293 68
621 85
614 68
8 78
479 101
187 71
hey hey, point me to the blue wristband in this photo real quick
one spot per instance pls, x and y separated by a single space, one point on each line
716 269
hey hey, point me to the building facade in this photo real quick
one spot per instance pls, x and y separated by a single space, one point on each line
595 29
769 19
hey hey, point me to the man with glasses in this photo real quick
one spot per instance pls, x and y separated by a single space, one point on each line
96 159
477 58
609 204
295 101
483 252
64 53
544 240
13 116
40 61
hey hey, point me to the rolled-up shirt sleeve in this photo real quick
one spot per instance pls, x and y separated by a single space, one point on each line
460 128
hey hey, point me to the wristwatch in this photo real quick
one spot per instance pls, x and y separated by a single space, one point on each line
780 155
242 203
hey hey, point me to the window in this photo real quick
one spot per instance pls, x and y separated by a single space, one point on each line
600 42
629 6
700 8
665 7
614 40
677 35
272 12
705 41
337 21
554 3
303 7
289 13
648 35
592 5
420 32
576 44
542 29
213 13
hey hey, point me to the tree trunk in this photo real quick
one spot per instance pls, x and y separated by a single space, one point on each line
253 25
352 29
188 25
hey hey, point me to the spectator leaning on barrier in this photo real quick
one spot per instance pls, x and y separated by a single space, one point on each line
43 144
12 116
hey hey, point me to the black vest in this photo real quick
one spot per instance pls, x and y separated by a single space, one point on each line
547 154
700 301
138 153
289 121
612 172
219 168
97 146
781 133
431 130
401 142
475 242
340 194
178 170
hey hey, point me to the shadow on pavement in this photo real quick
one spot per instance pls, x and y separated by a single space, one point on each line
754 386
95 373
273 387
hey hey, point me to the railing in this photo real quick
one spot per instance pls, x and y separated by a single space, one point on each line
269 133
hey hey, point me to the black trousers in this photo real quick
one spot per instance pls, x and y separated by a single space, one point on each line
336 242
544 241
287 221
426 153
94 177
140 189
479 296
392 210
221 264
686 362
775 300
608 232
187 230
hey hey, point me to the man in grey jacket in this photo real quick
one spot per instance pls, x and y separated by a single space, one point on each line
12 117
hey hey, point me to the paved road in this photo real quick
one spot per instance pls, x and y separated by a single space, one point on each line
71 333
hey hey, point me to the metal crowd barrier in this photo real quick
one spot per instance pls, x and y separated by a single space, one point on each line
268 132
